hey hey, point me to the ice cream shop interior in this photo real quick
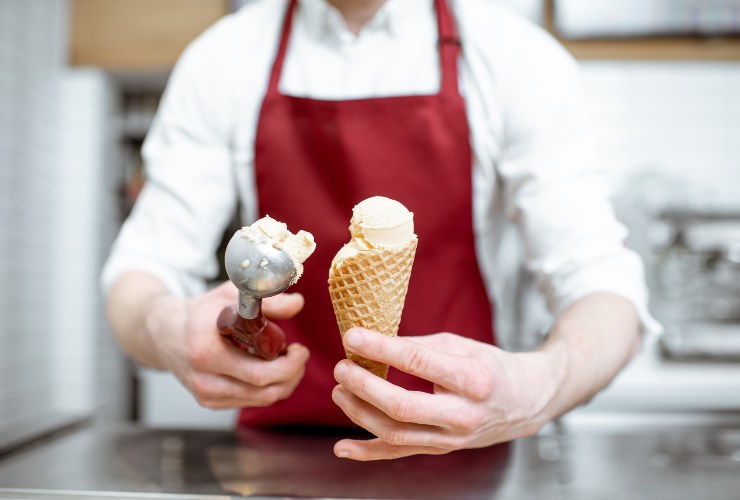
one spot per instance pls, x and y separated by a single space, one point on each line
402 249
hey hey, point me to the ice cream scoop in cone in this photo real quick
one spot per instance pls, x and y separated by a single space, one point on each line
369 276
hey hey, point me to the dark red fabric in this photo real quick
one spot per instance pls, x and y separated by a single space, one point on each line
316 159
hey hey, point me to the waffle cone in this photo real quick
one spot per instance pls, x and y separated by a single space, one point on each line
369 290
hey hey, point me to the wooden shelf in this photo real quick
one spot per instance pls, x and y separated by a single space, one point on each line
138 34
664 48
149 35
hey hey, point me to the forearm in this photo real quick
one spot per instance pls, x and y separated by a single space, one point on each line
132 316
589 344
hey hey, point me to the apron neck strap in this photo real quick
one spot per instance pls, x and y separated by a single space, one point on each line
449 48
277 65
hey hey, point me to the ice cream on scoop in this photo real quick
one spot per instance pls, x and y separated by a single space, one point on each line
377 223
261 260
298 246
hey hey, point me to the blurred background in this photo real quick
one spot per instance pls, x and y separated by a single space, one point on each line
80 81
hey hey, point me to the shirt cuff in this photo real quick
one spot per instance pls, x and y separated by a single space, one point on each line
624 278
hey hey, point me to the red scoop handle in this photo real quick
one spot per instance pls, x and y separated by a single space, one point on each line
259 336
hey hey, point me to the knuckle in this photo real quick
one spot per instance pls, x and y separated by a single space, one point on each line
415 360
355 413
357 381
197 355
480 384
396 452
395 436
200 388
277 393
402 409
258 377
469 421
454 443
270 396
362 387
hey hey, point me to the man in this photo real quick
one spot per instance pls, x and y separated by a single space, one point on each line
461 111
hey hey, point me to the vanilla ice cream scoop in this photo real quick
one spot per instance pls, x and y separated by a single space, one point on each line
382 222
377 223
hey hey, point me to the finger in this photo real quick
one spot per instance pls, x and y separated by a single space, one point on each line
218 392
399 404
387 429
283 306
267 396
447 342
262 373
234 362
453 372
377 449
226 320
226 290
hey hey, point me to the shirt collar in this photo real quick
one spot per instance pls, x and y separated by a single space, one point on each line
323 19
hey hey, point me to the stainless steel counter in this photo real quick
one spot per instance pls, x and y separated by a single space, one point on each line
129 462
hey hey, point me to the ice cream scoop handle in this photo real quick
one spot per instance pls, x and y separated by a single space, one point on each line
258 336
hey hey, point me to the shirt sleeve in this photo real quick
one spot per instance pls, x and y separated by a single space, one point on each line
575 246
189 195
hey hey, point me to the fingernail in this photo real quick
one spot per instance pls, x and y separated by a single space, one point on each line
343 454
337 395
340 372
300 347
354 338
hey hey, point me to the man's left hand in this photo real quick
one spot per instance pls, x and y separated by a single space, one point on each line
482 395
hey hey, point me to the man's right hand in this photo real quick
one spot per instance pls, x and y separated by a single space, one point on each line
180 335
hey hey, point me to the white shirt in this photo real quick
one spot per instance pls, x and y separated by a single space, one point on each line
532 164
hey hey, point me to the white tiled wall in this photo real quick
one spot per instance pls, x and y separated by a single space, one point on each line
666 134
88 367
669 136
56 205
30 33
677 119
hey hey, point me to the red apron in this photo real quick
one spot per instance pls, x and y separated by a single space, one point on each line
315 160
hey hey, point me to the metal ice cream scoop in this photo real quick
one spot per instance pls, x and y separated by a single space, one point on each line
258 268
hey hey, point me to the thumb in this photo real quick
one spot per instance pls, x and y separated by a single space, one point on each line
283 306
225 290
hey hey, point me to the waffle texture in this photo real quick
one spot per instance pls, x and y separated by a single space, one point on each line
369 290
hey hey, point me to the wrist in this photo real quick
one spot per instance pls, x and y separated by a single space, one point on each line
553 366
162 315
